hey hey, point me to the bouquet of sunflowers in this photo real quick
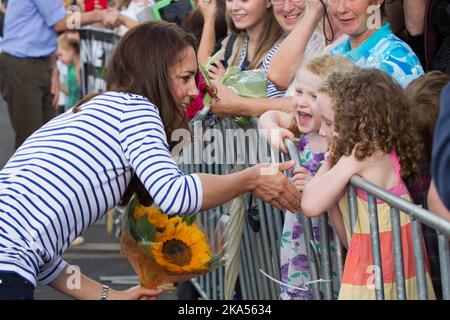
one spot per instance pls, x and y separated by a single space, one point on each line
166 249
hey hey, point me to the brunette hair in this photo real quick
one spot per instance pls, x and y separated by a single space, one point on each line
140 65
372 114
194 21
423 96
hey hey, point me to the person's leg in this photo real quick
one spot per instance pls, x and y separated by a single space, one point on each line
26 91
14 287
48 110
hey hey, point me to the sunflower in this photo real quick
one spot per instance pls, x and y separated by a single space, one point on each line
157 218
139 211
181 248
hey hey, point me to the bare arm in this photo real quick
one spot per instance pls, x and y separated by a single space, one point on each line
321 192
80 287
275 119
274 126
435 204
127 21
415 16
208 40
230 104
87 18
264 181
286 60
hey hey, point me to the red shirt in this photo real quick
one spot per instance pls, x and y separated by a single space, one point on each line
90 5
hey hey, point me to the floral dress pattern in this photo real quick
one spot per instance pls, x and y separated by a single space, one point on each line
386 52
293 258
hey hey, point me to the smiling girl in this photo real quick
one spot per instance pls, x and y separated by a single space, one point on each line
254 31
311 148
367 122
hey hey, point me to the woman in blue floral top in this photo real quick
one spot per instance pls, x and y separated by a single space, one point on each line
370 45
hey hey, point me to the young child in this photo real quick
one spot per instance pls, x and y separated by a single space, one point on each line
311 147
423 96
367 122
69 54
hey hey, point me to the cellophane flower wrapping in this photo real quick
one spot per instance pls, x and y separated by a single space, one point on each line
167 249
248 83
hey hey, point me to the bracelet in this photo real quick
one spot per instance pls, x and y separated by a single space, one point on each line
105 292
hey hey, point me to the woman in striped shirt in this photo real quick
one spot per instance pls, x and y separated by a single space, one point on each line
75 168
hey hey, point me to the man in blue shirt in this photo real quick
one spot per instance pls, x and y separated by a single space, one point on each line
439 194
28 77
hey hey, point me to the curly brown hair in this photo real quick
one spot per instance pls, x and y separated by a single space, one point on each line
372 114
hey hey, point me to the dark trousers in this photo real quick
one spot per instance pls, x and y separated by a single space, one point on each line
25 85
14 287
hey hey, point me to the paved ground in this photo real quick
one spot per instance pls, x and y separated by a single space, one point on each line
99 258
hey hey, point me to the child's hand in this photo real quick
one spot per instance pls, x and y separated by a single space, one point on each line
273 126
301 178
275 137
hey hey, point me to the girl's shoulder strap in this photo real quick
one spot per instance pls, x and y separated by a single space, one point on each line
395 162
229 46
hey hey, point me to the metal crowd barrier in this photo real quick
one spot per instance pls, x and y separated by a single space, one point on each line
261 249
96 46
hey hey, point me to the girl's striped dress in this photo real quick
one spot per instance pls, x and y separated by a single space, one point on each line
358 281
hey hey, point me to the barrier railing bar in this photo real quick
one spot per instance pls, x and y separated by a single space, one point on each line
444 262
268 252
376 248
199 288
352 207
260 259
418 259
339 258
325 257
398 254
403 205
254 293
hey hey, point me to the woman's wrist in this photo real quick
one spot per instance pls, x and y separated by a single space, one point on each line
210 19
314 14
113 295
250 178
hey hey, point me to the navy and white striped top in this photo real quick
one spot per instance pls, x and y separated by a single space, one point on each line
272 91
74 169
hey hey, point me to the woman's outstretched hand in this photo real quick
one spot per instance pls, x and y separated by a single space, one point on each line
136 293
274 187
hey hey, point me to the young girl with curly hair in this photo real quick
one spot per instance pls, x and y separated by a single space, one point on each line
366 120
304 120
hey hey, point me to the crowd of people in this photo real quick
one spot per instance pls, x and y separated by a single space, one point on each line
362 87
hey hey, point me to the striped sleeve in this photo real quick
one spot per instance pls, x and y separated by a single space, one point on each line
51 271
272 91
144 142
